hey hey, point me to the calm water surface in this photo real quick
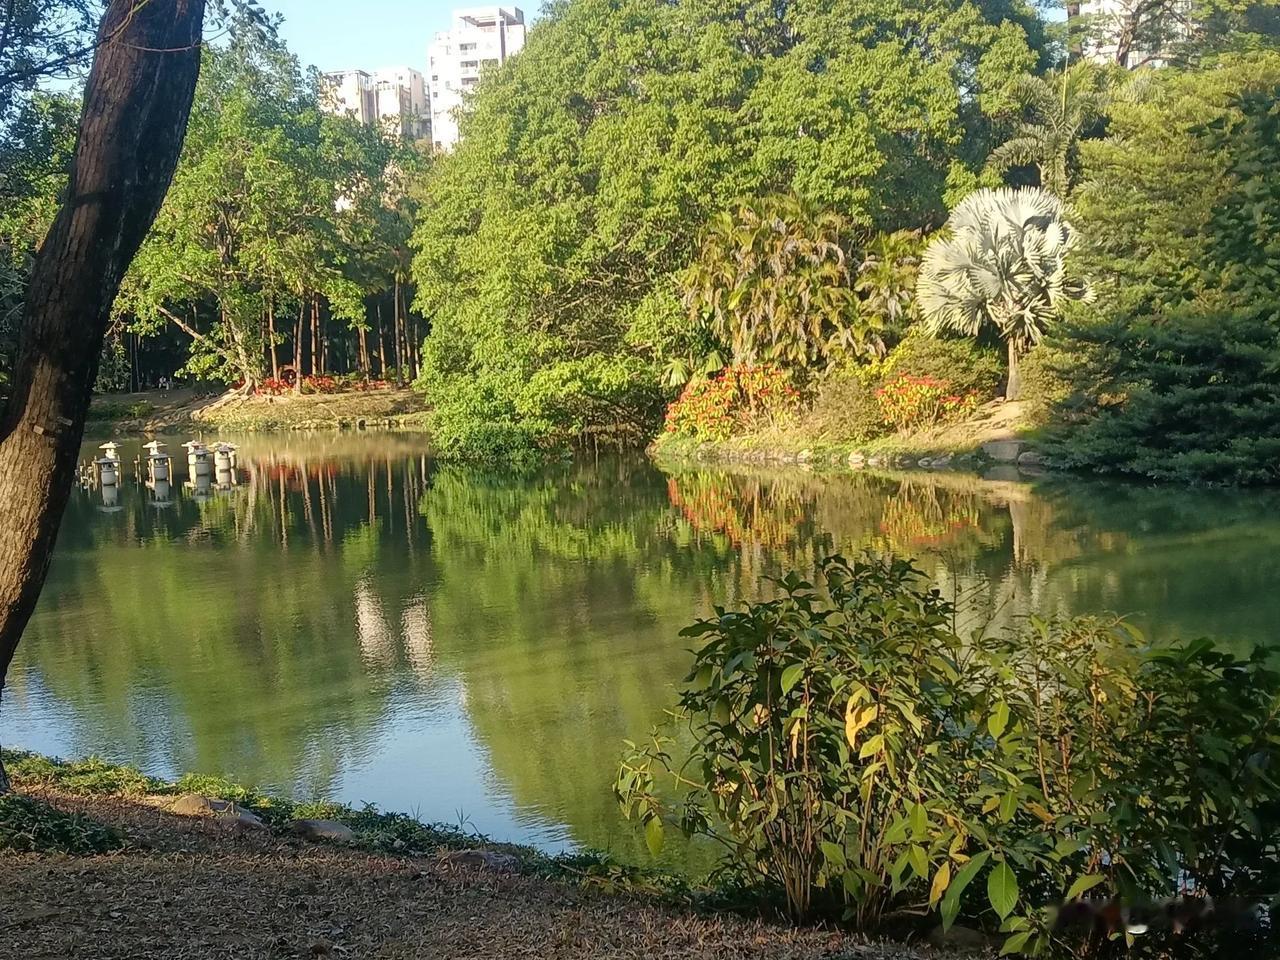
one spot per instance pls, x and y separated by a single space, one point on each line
355 621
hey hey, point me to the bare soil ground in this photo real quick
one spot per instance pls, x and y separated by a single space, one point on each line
190 888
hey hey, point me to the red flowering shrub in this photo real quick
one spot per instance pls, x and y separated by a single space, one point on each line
271 387
320 384
908 402
736 397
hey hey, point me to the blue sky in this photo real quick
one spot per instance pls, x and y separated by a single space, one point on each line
338 34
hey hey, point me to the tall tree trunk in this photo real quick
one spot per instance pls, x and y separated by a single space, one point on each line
1013 384
382 342
137 101
315 335
363 335
297 344
271 337
396 322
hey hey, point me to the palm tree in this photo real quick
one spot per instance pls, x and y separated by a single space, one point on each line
1059 109
1002 263
772 281
886 278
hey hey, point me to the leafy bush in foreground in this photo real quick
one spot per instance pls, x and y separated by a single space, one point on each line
851 751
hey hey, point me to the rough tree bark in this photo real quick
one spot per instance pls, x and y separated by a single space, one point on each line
137 101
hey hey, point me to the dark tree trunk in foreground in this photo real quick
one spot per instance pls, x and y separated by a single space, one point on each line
136 105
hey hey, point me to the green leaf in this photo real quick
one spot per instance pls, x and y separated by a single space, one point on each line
653 836
1008 806
1083 884
919 820
1016 942
964 876
834 853
918 859
1002 889
999 719
791 676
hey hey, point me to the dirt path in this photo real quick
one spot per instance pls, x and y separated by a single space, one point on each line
189 888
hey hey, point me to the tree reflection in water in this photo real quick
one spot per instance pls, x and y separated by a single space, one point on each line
355 620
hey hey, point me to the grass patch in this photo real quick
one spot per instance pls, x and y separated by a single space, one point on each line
107 411
30 826
92 776
377 831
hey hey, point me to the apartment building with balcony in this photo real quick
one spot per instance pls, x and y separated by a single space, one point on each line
480 38
394 98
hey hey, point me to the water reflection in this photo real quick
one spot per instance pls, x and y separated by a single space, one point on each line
350 619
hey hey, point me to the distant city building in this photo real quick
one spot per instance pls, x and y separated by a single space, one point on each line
349 92
481 37
1101 24
394 99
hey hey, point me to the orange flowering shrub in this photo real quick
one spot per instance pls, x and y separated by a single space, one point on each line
908 402
736 397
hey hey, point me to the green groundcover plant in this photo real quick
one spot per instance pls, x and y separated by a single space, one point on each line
854 753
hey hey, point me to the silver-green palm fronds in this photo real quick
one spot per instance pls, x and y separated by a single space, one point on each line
1058 110
1002 263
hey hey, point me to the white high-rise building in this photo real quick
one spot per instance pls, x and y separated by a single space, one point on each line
481 37
348 92
1103 22
394 98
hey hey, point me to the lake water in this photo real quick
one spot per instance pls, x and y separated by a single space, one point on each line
354 621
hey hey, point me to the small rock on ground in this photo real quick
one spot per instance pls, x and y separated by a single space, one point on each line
323 830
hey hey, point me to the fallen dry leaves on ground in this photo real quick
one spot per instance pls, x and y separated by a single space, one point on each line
188 888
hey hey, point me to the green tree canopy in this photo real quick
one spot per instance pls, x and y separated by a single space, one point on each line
590 164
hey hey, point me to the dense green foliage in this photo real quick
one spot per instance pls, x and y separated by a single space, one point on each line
772 280
285 226
551 237
35 151
1173 372
1057 110
855 753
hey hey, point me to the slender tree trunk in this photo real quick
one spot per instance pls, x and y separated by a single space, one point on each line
137 101
297 344
382 342
1013 384
315 338
271 338
398 324
363 335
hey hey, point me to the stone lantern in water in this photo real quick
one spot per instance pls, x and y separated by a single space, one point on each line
224 462
198 464
159 463
109 464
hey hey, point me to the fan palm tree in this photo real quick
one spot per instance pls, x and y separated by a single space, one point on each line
1060 109
1001 264
772 280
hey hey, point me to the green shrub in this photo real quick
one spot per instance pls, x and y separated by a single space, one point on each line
969 367
30 826
829 738
845 408
853 753
1194 395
